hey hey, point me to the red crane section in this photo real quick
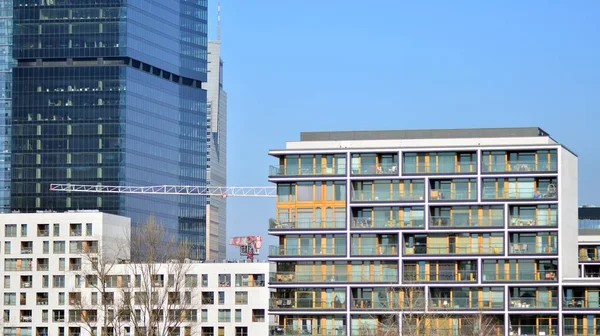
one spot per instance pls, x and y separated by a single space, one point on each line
249 246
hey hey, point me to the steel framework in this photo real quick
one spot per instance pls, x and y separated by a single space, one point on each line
168 190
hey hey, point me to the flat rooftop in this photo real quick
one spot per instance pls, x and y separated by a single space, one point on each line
457 133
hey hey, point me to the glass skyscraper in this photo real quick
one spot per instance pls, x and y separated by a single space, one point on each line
110 92
6 64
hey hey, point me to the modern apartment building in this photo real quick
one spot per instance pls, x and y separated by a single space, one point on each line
110 92
51 289
426 232
216 161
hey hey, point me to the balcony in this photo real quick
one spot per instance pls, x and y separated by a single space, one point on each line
309 170
454 303
528 303
575 303
457 221
314 331
462 167
296 251
445 195
523 248
375 169
363 196
522 193
527 221
307 224
334 277
379 250
522 329
445 249
441 276
519 167
306 304
370 304
520 276
369 223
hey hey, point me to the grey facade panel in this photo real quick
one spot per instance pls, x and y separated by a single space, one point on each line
423 134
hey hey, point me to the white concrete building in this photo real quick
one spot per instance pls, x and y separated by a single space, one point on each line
51 288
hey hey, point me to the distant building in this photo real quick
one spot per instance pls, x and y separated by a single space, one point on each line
216 161
48 282
589 218
377 227
110 92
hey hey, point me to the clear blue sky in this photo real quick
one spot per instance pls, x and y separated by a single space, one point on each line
293 66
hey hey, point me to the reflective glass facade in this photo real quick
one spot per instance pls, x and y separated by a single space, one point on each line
6 64
109 92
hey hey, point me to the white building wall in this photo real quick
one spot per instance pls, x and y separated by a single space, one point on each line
568 213
27 312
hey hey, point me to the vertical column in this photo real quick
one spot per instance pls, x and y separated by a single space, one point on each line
348 200
478 169
400 164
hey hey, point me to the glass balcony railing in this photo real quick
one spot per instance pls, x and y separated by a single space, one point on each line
369 223
520 276
463 167
444 195
466 221
380 169
314 170
532 303
445 249
301 224
581 303
578 331
387 330
361 196
306 304
384 304
297 251
521 329
524 248
379 250
539 220
462 304
521 193
310 277
519 167
443 276
307 330
431 330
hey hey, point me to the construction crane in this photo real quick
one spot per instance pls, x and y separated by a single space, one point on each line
168 190
249 246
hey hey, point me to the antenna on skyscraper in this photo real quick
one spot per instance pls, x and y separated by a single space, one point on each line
219 20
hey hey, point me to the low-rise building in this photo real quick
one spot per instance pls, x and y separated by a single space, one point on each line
69 274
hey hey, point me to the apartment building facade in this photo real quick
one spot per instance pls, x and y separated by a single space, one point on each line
421 232
50 287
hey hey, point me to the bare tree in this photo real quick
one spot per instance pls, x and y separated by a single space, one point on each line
481 324
414 316
99 271
152 296
162 293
